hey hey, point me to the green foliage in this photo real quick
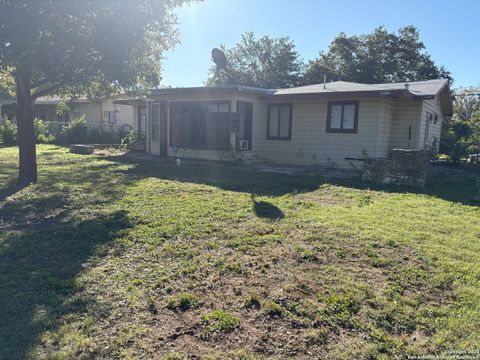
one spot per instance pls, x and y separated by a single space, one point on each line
378 57
96 136
77 47
8 132
182 302
218 321
340 308
42 134
461 133
263 62
75 132
63 60
273 309
128 138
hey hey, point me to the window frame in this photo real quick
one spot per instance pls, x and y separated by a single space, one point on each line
329 129
173 125
290 120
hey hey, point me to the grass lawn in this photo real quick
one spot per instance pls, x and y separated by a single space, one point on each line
107 258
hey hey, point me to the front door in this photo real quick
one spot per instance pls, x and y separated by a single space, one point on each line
158 129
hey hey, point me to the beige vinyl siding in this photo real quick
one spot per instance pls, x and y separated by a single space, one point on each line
92 112
311 144
432 107
124 115
406 113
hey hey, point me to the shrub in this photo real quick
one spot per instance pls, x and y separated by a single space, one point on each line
129 139
95 136
42 134
75 132
182 302
273 309
8 132
124 131
219 321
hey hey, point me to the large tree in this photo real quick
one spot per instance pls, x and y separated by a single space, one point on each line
58 46
461 132
263 62
380 56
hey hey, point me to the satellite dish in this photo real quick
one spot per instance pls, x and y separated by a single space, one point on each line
219 58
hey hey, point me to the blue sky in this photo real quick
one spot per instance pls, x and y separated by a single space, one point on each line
449 29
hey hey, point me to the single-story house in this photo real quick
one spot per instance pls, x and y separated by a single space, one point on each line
332 124
98 113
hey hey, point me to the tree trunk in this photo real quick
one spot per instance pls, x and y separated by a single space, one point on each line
26 133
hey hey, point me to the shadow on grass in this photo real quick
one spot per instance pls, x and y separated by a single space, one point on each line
266 210
37 275
450 186
11 188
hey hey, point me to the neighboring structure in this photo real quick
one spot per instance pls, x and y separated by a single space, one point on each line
99 114
333 124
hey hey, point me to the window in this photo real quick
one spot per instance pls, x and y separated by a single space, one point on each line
279 125
342 116
222 107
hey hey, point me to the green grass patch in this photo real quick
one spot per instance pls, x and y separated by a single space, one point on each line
218 322
115 257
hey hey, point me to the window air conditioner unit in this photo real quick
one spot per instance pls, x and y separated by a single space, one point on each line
243 145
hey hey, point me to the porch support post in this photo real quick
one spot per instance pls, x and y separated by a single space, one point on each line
233 136
147 127
168 126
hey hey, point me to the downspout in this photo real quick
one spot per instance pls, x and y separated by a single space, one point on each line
418 126
101 116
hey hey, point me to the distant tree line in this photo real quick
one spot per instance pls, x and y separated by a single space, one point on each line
461 132
380 56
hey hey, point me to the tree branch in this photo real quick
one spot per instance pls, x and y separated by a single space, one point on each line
48 90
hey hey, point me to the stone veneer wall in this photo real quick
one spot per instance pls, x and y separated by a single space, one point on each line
404 167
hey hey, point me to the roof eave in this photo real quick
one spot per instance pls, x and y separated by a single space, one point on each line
342 94
205 90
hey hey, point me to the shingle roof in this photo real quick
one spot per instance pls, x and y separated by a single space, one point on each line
211 89
418 88
55 99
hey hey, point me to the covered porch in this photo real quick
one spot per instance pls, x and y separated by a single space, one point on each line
199 129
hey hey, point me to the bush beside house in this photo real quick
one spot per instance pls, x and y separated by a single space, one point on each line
76 132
